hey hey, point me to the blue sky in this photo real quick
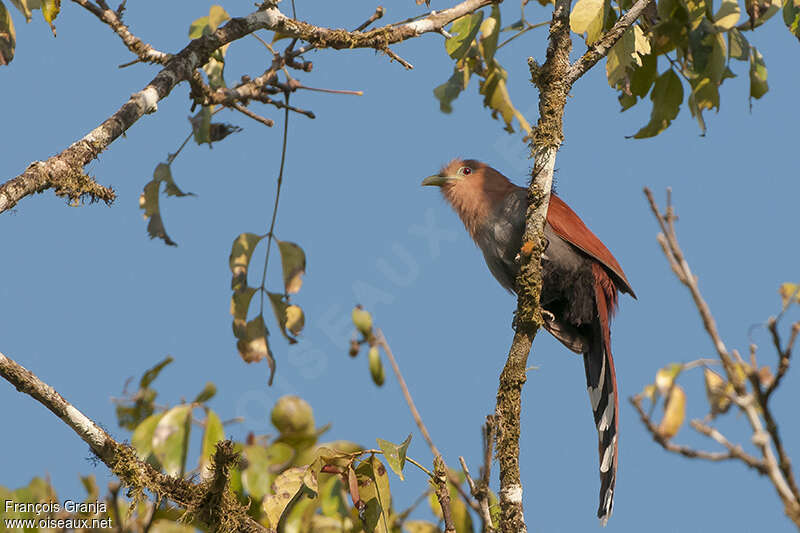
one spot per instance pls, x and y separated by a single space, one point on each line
88 300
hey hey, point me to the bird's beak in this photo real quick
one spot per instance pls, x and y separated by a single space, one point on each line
436 180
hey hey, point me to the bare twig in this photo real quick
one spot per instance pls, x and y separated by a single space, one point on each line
481 495
381 340
754 405
665 443
734 450
258 118
379 12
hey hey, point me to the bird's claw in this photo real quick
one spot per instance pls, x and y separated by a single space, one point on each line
548 315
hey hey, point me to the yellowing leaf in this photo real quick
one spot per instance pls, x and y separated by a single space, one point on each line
240 304
674 413
790 293
216 16
50 9
667 95
295 319
285 489
239 260
626 55
587 17
758 74
281 309
490 32
208 392
665 377
254 346
727 16
395 454
8 37
26 6
697 12
293 261
496 97
463 32
148 201
717 392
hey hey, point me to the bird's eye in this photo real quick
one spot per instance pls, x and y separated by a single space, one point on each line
464 171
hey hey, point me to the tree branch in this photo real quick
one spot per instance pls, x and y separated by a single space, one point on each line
553 89
64 172
207 501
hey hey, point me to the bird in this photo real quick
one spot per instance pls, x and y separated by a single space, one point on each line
580 284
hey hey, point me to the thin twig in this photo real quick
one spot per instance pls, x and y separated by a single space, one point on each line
379 12
270 234
665 443
481 495
443 494
258 118
381 340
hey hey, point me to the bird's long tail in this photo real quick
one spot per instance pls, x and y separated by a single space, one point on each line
601 380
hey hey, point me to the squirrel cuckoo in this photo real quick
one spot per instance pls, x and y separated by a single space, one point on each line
579 291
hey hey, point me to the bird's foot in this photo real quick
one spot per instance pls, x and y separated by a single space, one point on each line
548 315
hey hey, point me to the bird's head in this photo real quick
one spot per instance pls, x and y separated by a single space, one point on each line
472 188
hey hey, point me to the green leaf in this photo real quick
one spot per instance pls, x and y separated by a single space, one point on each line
376 366
666 96
331 501
239 260
463 32
626 55
758 74
151 375
254 346
643 77
50 9
373 490
738 47
212 434
208 392
496 97
290 317
240 304
490 32
163 173
201 125
8 37
171 439
142 438
449 90
587 17
293 262
791 16
395 454
727 16
258 475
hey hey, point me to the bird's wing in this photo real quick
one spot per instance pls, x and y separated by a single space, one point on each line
570 227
